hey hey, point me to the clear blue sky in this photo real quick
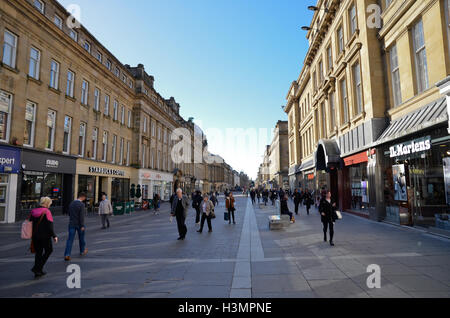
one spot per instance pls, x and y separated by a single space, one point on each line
228 63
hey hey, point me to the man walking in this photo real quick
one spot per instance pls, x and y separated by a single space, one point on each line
76 225
180 205
297 199
196 201
105 209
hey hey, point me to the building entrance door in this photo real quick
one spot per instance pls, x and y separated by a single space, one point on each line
3 197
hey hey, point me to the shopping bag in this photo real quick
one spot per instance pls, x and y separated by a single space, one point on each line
27 230
226 216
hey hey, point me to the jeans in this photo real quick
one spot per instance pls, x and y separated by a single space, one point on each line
326 225
231 214
105 220
43 249
208 219
70 239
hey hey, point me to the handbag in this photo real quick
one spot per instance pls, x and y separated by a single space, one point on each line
226 216
32 249
212 215
338 215
27 230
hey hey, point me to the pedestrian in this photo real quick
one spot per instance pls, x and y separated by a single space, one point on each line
42 236
213 199
179 209
284 209
265 196
196 201
230 207
308 200
297 200
76 225
207 208
156 203
253 196
258 196
105 209
327 209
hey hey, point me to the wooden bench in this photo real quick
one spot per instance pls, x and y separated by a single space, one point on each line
277 222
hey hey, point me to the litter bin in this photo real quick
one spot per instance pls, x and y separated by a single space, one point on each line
118 208
132 206
127 208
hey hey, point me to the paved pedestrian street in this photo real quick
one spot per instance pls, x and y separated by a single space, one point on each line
139 256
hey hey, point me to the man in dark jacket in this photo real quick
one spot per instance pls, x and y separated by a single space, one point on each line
179 209
297 199
76 225
196 201
327 210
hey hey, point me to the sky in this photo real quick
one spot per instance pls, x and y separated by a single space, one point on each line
229 63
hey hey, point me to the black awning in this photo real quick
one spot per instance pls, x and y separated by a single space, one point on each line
327 155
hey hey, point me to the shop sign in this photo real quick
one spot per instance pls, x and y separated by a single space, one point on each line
107 171
52 163
311 176
411 147
9 160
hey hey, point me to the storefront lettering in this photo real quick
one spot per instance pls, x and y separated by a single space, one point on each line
415 146
52 163
107 171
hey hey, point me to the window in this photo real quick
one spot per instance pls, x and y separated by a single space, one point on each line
353 21
122 115
9 49
323 126
159 133
344 101
94 143
159 160
70 83
447 19
314 81
153 129
122 143
388 3
99 57
39 5
106 111
130 84
144 150
321 78
152 158
51 121
115 110
58 21
105 146
332 112
129 118
35 59
74 35
358 88
5 115
108 64
117 72
128 153
30 119
67 134
395 76
329 58
340 35
84 92
54 74
87 46
114 149
165 135
96 99
420 57
82 140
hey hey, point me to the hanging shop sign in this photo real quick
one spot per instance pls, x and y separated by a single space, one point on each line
411 147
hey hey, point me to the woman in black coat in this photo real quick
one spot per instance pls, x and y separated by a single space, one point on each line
327 210
307 200
43 234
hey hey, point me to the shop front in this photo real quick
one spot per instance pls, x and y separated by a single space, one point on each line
9 173
356 184
95 178
417 178
153 182
45 174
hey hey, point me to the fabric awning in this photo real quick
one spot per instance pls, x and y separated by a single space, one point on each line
428 116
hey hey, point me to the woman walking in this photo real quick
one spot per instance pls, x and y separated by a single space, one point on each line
207 208
156 203
43 234
308 200
105 209
327 209
230 207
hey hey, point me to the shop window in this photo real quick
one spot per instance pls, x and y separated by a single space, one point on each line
359 187
36 185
